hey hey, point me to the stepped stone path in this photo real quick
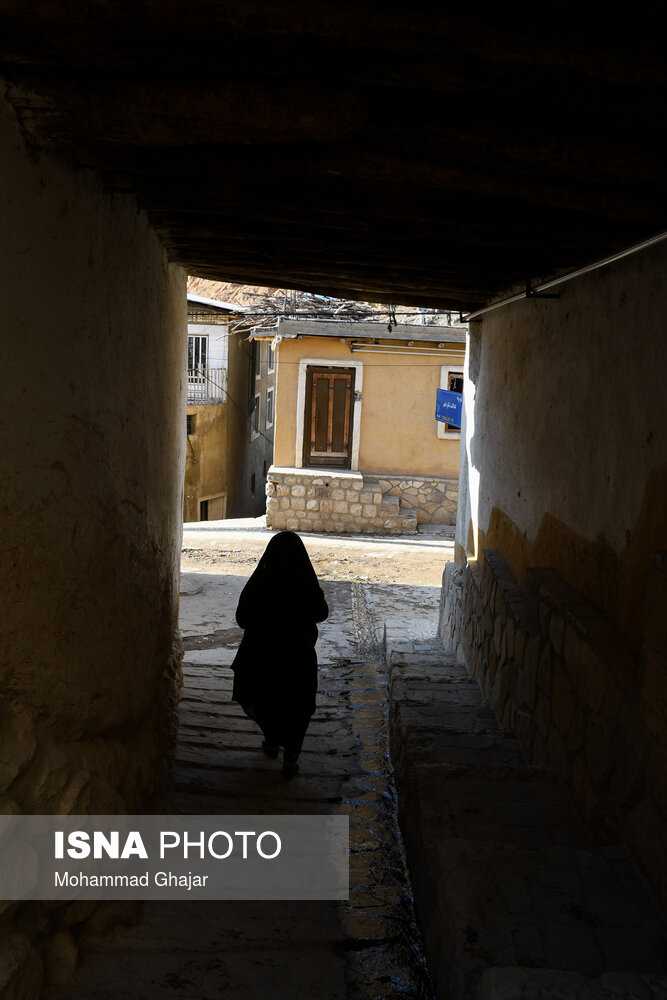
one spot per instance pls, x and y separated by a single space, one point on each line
367 948
515 899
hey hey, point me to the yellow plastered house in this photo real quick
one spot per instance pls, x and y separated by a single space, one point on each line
357 447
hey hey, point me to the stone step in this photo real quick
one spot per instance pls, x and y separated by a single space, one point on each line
408 512
556 984
372 486
500 905
504 872
388 506
396 518
423 652
508 803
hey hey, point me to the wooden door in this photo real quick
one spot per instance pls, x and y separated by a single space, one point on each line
328 417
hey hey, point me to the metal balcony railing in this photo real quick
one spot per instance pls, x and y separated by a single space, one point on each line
206 385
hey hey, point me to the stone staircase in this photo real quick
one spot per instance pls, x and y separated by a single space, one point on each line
397 519
515 899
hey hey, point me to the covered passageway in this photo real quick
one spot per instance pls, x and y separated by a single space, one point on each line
402 156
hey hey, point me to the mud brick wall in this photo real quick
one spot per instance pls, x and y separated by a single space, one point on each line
581 700
91 492
340 503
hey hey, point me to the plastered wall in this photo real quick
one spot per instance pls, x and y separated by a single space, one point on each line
206 457
558 601
567 445
93 422
398 428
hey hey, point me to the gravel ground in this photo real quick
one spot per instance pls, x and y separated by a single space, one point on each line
233 547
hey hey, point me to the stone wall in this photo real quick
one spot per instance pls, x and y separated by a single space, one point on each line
340 502
434 500
347 502
560 675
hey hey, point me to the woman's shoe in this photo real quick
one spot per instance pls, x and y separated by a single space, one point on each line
269 749
290 763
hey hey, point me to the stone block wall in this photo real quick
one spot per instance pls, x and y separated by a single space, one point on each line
582 701
434 500
350 502
340 502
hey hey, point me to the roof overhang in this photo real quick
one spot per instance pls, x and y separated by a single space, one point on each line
290 329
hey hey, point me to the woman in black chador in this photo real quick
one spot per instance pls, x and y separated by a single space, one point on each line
275 668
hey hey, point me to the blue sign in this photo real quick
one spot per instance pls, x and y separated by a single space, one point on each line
448 406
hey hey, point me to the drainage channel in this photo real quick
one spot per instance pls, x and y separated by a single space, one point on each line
387 956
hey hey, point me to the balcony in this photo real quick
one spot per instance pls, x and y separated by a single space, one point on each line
206 385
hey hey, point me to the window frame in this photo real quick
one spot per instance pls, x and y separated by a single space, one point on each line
255 423
269 392
257 358
198 340
444 431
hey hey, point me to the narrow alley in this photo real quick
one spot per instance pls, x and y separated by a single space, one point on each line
365 948
517 900
444 239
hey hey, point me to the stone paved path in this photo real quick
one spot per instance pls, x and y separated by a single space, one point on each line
516 900
364 949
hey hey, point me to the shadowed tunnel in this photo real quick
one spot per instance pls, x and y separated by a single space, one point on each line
404 157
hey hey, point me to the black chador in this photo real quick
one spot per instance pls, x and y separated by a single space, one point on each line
275 668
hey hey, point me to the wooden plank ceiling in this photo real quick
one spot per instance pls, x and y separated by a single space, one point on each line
390 154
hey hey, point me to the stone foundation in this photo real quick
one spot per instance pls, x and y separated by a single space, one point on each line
339 502
580 699
433 500
349 502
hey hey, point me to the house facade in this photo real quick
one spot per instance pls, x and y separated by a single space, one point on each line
357 446
229 415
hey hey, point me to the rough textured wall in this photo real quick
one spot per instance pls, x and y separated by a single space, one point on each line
398 426
93 420
333 500
568 442
205 457
558 673
565 508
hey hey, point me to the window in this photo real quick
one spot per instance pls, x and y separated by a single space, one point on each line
191 421
451 377
257 358
197 353
270 357
254 427
252 483
268 416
